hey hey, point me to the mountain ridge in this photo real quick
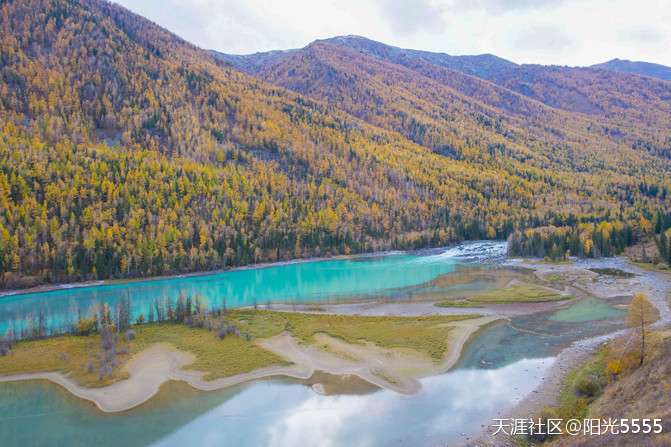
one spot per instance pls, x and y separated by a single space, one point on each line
637 67
566 90
480 65
252 63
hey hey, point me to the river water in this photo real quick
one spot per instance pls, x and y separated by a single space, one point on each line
498 367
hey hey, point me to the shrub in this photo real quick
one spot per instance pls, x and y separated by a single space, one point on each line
85 326
108 338
541 419
194 321
614 368
587 385
129 335
108 342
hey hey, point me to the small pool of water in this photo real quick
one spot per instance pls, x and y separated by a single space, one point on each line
539 335
588 309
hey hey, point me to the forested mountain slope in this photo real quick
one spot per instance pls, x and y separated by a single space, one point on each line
471 119
576 89
593 91
586 90
126 151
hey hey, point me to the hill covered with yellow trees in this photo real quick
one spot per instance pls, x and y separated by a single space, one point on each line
126 151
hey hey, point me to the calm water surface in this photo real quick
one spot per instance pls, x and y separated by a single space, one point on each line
538 335
271 413
589 309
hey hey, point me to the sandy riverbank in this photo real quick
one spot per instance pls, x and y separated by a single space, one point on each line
656 285
393 369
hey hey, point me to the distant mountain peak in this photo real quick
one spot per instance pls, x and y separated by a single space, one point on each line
360 40
483 66
347 37
637 67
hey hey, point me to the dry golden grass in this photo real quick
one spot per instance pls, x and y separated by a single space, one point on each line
639 392
68 354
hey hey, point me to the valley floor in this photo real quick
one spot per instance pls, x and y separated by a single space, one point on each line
386 366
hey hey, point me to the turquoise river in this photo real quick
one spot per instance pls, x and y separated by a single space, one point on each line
383 276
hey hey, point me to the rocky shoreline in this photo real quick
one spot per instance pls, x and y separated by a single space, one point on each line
657 287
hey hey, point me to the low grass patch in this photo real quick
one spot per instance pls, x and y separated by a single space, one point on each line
555 278
218 358
385 377
661 267
68 354
521 293
456 304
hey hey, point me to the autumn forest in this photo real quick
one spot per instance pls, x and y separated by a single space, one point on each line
127 152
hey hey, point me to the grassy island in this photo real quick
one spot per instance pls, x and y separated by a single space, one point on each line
230 350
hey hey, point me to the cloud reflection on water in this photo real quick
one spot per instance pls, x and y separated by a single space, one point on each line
279 414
